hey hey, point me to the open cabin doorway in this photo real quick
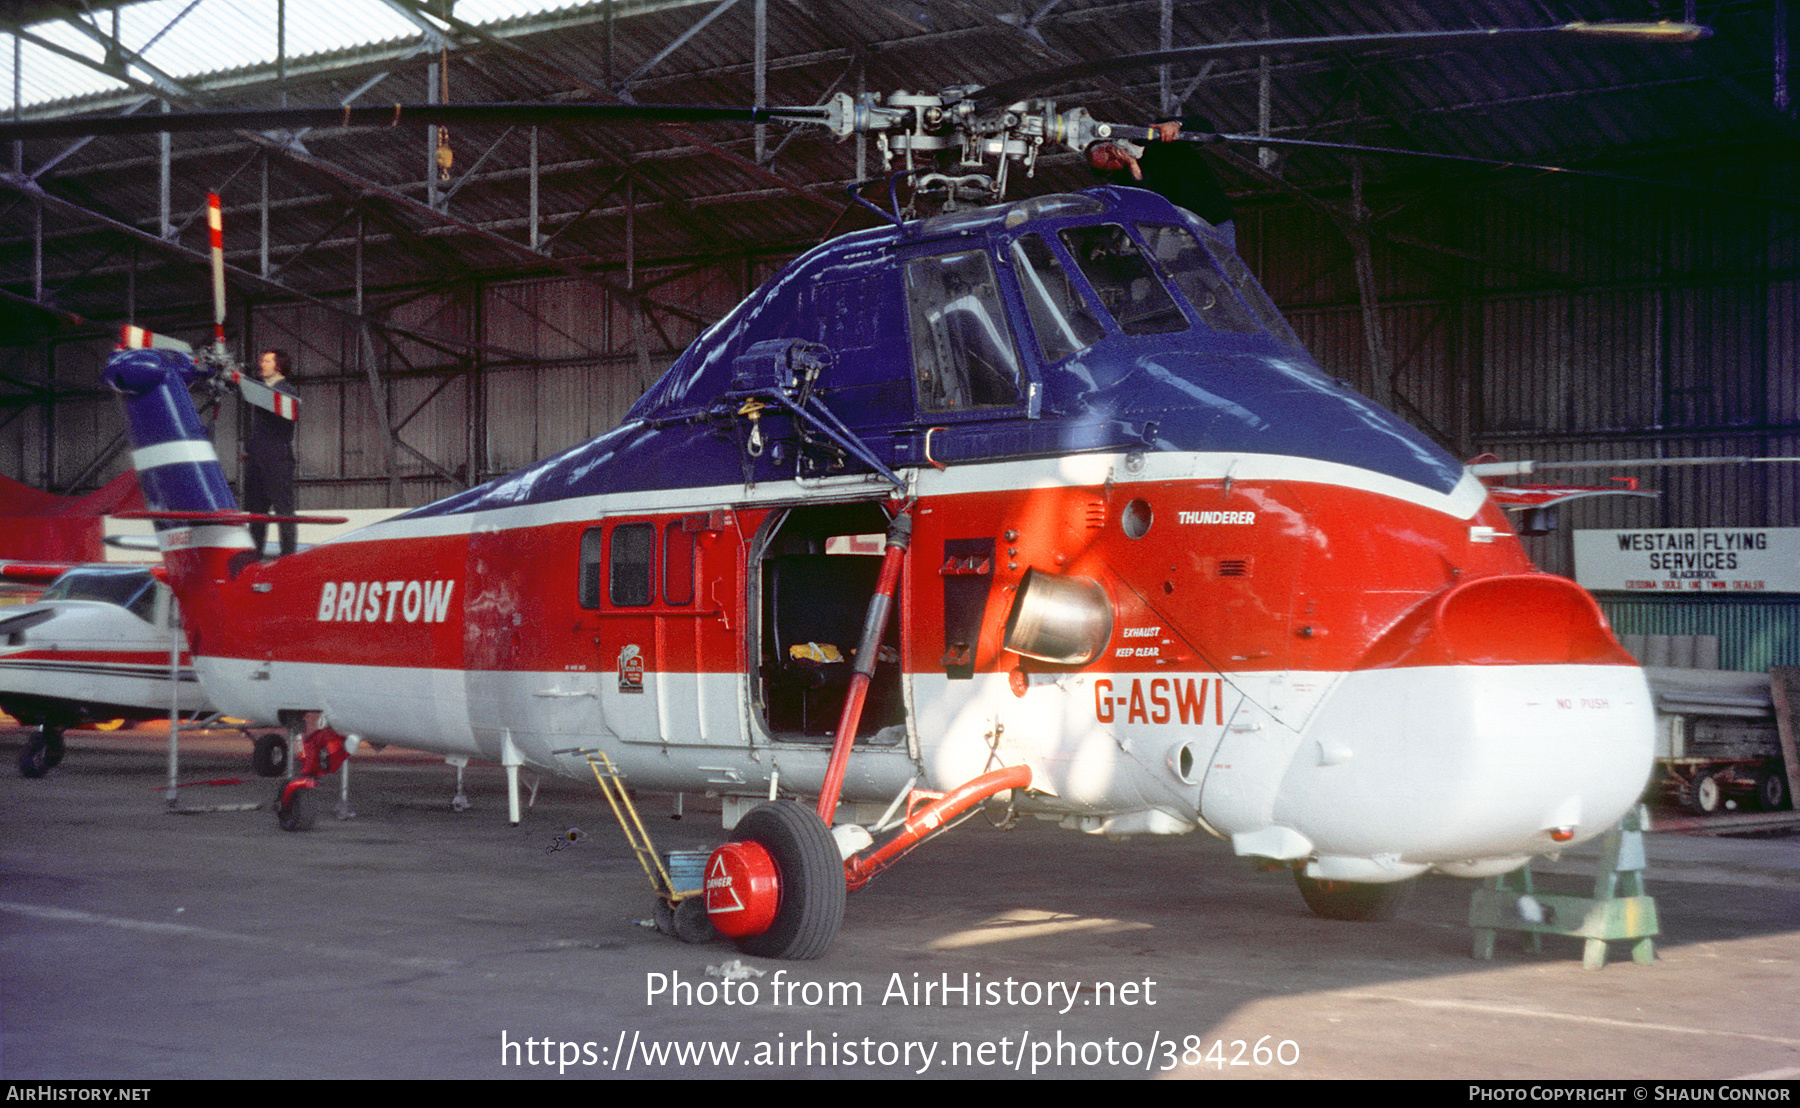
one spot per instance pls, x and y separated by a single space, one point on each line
817 568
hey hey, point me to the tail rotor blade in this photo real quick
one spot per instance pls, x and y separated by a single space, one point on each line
216 229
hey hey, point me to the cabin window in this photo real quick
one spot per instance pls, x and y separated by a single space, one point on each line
1061 319
633 547
678 564
587 588
1198 279
1124 280
963 353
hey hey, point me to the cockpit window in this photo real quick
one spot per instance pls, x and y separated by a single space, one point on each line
1197 278
1239 275
1059 316
1124 280
963 353
135 591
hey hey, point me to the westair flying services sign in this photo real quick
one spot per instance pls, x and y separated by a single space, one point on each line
1690 559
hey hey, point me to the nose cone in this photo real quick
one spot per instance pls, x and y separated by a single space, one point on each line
1501 721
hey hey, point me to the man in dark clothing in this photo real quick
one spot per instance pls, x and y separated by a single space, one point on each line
1176 170
269 457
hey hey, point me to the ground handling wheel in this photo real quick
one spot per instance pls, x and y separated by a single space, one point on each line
1701 794
1771 787
1352 900
685 920
777 888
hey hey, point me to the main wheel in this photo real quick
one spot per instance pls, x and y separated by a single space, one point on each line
1352 900
1700 794
269 757
1771 788
811 876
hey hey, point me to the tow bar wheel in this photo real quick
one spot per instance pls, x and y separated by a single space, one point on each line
777 889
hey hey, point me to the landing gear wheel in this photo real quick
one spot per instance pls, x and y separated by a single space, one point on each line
811 879
1701 795
269 758
34 759
297 813
42 752
1352 900
1772 788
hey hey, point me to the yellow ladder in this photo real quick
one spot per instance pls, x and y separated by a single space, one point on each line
625 811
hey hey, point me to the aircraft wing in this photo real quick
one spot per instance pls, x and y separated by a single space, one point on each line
12 625
34 573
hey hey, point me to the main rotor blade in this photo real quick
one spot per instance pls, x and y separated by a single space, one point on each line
394 115
1484 163
1007 91
1388 151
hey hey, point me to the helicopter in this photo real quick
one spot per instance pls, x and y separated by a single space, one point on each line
1144 568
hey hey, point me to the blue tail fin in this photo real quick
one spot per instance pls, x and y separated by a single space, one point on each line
170 447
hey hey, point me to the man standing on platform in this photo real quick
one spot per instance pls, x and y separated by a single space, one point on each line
269 457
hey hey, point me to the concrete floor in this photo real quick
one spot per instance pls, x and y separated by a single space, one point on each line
419 942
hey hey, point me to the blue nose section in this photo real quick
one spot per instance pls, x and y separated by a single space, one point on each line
170 447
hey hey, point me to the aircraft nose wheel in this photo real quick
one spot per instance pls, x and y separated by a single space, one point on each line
777 889
1352 900
42 752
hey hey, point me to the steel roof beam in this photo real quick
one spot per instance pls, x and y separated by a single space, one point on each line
199 258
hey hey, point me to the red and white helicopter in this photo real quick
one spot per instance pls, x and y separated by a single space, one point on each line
1146 569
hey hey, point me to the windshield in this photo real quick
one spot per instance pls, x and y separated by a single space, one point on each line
133 590
1060 318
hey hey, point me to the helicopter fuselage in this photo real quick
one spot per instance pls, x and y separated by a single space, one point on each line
1156 555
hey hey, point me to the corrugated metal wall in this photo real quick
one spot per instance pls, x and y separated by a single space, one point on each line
1753 634
1568 319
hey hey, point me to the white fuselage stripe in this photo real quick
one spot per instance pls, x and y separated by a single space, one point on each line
1462 502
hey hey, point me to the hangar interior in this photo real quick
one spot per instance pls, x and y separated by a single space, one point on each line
460 301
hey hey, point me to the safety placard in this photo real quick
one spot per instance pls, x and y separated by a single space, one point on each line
1690 559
